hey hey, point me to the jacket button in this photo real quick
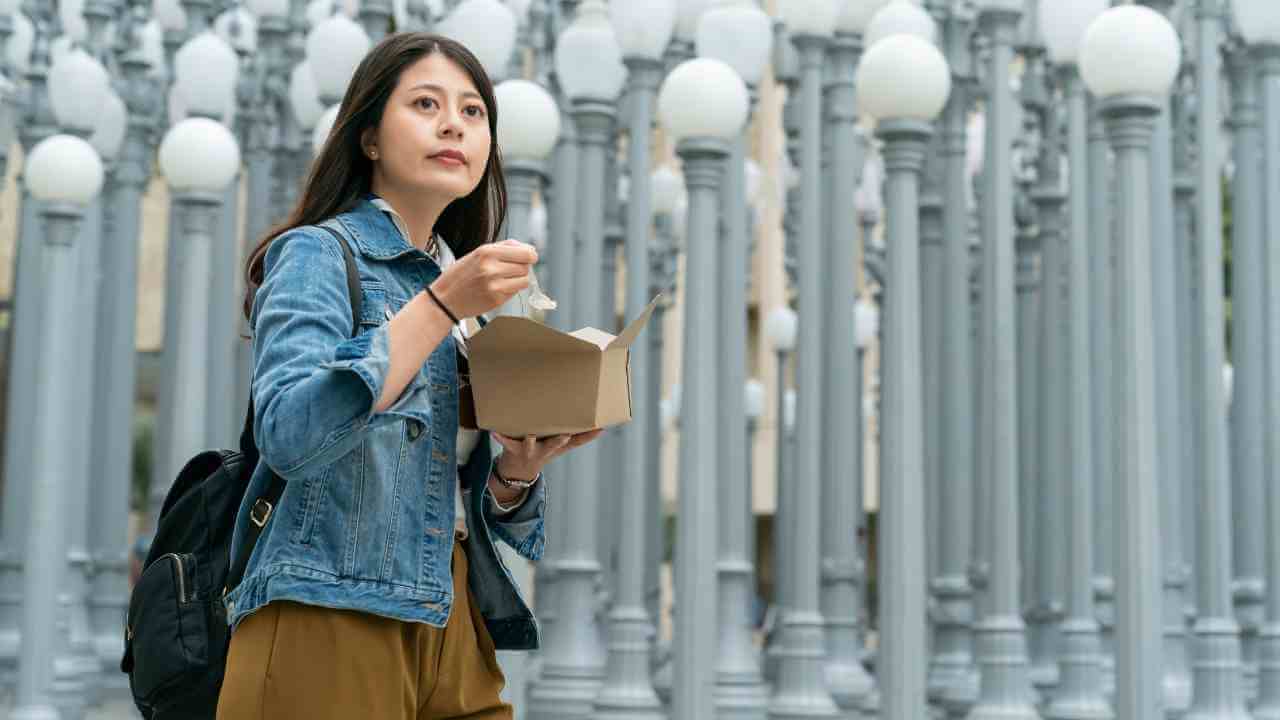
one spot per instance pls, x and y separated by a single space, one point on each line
415 429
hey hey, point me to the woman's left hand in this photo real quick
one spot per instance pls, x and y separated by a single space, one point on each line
524 459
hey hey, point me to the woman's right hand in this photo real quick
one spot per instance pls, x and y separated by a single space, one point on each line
486 277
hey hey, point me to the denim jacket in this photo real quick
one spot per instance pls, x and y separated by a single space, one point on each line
366 521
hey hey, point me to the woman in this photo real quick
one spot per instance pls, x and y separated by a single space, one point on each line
375 589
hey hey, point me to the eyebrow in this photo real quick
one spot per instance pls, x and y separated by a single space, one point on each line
441 90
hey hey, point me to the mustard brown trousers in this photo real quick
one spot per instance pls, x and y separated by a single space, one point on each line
291 661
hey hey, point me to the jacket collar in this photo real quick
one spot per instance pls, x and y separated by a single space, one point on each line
374 231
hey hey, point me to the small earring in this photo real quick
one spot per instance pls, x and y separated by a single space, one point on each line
373 154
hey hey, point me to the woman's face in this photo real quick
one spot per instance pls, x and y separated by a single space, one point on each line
434 136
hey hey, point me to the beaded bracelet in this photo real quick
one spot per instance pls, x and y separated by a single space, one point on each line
514 484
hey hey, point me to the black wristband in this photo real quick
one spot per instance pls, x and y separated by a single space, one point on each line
445 308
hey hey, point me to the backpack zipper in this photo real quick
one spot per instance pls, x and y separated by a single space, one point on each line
182 572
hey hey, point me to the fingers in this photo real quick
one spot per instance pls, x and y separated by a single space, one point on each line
512 251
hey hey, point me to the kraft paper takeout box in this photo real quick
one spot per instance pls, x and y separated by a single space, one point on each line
531 379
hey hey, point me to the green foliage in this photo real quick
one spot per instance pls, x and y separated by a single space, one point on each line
144 430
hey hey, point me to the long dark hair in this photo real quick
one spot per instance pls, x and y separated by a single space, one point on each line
340 176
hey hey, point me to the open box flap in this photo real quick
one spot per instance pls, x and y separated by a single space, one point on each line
598 338
628 336
508 333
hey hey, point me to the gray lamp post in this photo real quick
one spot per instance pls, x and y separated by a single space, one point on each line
628 689
800 690
780 329
24 355
589 64
1001 640
704 131
740 34
1260 24
375 16
115 369
1080 695
65 173
953 677
1102 300
904 82
1132 101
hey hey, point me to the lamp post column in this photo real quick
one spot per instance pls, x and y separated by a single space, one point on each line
628 688
841 601
1080 679
955 675
1001 634
1216 661
800 690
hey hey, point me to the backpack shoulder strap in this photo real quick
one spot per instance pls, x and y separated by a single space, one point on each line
263 507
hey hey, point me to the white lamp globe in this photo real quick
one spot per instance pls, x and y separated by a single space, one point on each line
170 14
1130 49
903 77
18 51
112 119
206 69
809 17
856 14
63 168
588 57
323 127
643 29
78 85
900 17
151 42
268 8
866 323
780 327
304 97
789 409
488 29
665 186
1258 20
334 48
199 154
238 28
318 11
1063 25
703 98
528 120
680 218
753 398
688 13
739 33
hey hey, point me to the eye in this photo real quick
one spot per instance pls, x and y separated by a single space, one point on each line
475 110
426 102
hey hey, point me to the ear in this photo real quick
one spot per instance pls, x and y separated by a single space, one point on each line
368 143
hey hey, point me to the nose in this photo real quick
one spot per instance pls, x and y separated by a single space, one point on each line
450 125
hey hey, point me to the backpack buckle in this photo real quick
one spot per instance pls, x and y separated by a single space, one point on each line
260 512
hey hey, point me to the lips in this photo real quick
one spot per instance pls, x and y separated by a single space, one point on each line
452 156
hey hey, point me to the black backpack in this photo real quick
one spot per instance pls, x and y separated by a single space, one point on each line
176 635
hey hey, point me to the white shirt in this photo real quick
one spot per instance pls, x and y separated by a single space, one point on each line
467 439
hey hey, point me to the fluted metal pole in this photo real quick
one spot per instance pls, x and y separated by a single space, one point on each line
24 357
902 594
116 370
573 662
800 690
1138 687
45 625
375 16
1268 707
1001 638
1256 269
1080 694
953 683
693 637
628 687
847 680
1101 322
1216 666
